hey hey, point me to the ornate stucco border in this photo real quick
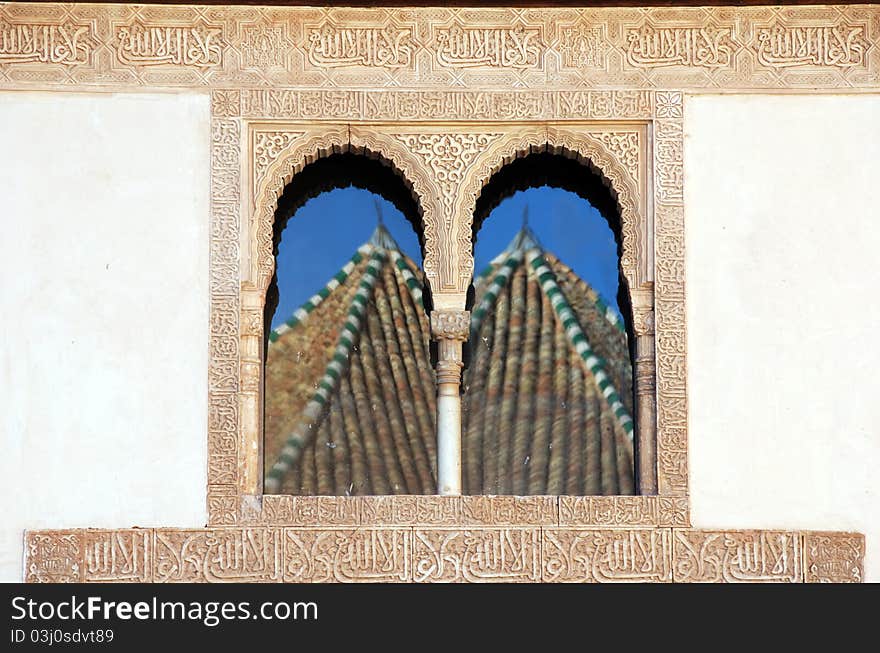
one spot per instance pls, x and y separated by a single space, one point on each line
402 553
636 147
446 166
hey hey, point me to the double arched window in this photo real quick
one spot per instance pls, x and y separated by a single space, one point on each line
387 371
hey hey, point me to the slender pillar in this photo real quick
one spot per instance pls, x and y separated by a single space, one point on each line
645 372
250 462
450 329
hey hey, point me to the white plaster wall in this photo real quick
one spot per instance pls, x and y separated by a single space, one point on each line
782 213
104 207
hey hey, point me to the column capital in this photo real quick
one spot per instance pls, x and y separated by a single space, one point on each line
450 325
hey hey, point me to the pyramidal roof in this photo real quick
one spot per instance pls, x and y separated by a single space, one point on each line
350 389
350 393
542 411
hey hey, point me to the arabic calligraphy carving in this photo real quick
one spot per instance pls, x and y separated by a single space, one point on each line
382 47
737 556
320 556
143 44
218 555
505 47
841 46
439 48
118 556
484 555
603 556
66 43
706 47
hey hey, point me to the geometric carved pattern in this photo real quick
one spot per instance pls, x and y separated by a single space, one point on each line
834 557
745 47
514 553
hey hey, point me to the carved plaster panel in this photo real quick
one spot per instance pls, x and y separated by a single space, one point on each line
431 554
537 48
738 556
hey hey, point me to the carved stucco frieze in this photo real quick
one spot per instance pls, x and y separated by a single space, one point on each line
379 555
449 156
401 553
738 556
547 48
607 556
476 555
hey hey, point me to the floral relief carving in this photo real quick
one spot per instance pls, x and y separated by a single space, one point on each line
267 147
448 156
593 153
625 146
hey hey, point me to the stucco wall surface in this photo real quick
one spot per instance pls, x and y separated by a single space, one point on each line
781 207
103 363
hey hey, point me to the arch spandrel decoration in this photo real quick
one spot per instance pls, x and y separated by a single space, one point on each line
618 170
306 145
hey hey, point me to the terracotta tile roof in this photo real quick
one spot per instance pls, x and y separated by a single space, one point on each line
375 434
350 395
535 420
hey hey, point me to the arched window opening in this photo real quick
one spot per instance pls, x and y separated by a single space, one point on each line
349 399
548 402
